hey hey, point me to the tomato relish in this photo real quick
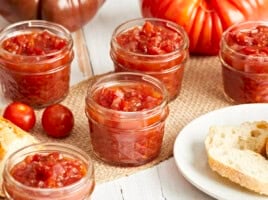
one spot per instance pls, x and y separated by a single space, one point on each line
153 46
129 98
250 41
35 62
126 114
34 44
150 39
244 57
52 170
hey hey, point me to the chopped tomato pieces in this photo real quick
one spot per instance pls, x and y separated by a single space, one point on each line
33 44
51 170
150 39
129 98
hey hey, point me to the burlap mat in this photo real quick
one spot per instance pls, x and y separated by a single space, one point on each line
201 93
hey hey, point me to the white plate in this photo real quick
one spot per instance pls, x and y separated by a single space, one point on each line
191 158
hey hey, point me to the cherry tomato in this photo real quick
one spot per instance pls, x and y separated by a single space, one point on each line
20 114
57 121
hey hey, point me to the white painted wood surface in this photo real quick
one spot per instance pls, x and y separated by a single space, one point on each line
161 182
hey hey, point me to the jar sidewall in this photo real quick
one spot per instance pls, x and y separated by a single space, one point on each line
126 147
225 64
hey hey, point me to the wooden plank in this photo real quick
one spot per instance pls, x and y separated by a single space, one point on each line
144 185
162 182
110 190
175 186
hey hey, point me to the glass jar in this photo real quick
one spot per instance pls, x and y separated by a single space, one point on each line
17 190
153 46
244 58
126 113
35 59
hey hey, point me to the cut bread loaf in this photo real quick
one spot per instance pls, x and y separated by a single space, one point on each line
239 154
12 138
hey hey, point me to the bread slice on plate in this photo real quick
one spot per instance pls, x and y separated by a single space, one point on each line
239 154
12 138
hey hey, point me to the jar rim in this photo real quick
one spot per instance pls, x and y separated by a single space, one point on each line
123 114
138 22
66 149
27 27
236 26
153 73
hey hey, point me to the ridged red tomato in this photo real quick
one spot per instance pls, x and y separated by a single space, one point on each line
72 14
205 20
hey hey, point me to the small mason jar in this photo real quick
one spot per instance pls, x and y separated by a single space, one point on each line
244 60
153 46
44 170
35 59
126 114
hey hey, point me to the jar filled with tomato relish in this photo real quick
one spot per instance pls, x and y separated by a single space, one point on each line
153 46
244 59
35 59
51 171
126 113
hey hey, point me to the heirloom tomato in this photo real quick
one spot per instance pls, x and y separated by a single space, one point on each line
205 20
51 10
21 115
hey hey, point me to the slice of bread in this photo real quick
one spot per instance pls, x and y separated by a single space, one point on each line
12 138
239 154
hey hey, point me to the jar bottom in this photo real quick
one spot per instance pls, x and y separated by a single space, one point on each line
37 105
229 99
36 90
123 148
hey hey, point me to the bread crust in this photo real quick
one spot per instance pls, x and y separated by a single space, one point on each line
238 177
12 138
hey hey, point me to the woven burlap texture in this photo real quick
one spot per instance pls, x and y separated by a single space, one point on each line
201 92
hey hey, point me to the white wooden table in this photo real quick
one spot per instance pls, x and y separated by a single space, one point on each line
161 182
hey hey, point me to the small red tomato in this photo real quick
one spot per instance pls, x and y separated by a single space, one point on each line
57 121
20 114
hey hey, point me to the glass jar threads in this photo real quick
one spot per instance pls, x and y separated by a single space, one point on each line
126 113
48 171
35 59
153 46
244 59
